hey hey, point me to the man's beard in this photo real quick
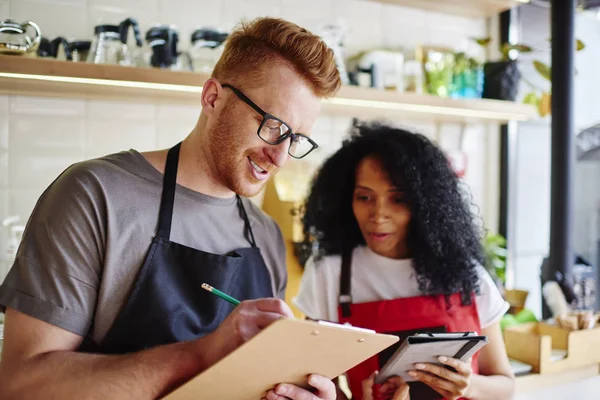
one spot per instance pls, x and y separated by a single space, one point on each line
224 145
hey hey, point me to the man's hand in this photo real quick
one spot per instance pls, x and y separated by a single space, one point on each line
451 385
324 389
246 320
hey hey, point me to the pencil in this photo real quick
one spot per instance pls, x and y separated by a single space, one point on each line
220 294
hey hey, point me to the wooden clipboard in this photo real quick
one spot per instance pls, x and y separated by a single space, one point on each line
287 351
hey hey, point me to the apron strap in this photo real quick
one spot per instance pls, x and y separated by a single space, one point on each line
167 200
346 283
246 221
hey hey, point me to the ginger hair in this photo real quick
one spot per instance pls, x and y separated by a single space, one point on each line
252 46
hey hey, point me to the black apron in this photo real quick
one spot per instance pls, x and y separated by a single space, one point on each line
167 304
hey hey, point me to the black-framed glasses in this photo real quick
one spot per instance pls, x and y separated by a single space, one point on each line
274 131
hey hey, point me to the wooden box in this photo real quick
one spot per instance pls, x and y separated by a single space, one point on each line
533 344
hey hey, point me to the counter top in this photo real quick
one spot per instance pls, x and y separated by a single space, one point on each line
579 383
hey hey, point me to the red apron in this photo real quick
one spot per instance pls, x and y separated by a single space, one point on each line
402 317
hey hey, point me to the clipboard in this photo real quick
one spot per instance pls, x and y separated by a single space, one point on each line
427 347
287 351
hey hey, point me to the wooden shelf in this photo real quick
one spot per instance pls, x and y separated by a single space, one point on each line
466 8
52 78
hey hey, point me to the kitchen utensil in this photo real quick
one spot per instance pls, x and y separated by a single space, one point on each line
17 38
207 47
44 48
109 45
132 55
163 40
79 50
386 69
334 35
55 46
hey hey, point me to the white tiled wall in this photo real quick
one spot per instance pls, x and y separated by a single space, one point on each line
39 137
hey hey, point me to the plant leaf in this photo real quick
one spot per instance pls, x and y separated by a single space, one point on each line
482 41
580 45
531 98
545 104
543 69
521 48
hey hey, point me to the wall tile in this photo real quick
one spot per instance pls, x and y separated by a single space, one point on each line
3 232
101 109
5 9
45 135
309 14
4 101
182 113
403 27
189 15
114 135
3 170
172 132
37 173
41 148
22 202
4 131
453 40
234 11
25 105
145 12
362 20
52 15
422 126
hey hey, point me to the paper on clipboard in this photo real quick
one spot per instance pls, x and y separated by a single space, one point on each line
427 349
286 351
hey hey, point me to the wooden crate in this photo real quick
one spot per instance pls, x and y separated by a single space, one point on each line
533 343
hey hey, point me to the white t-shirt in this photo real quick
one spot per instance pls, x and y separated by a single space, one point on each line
378 278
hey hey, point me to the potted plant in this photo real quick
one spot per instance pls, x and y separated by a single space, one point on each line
539 97
494 248
501 78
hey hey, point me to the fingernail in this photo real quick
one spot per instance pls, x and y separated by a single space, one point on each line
271 395
442 358
412 373
281 390
312 380
420 366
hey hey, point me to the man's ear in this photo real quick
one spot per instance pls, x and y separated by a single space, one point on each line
210 93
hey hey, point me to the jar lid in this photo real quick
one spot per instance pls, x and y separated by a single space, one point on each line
106 28
209 35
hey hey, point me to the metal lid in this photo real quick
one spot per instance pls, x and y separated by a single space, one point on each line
82 45
161 32
210 35
106 28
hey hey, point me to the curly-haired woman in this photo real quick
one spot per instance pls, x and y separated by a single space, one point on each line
398 252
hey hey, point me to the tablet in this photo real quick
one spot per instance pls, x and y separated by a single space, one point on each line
427 347
287 351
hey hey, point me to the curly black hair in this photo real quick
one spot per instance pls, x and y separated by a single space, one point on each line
442 237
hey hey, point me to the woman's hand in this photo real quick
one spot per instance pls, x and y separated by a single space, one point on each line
395 388
452 385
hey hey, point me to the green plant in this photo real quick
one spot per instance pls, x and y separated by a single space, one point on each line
506 48
537 97
494 246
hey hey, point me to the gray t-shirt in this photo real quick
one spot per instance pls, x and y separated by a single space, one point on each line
91 229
